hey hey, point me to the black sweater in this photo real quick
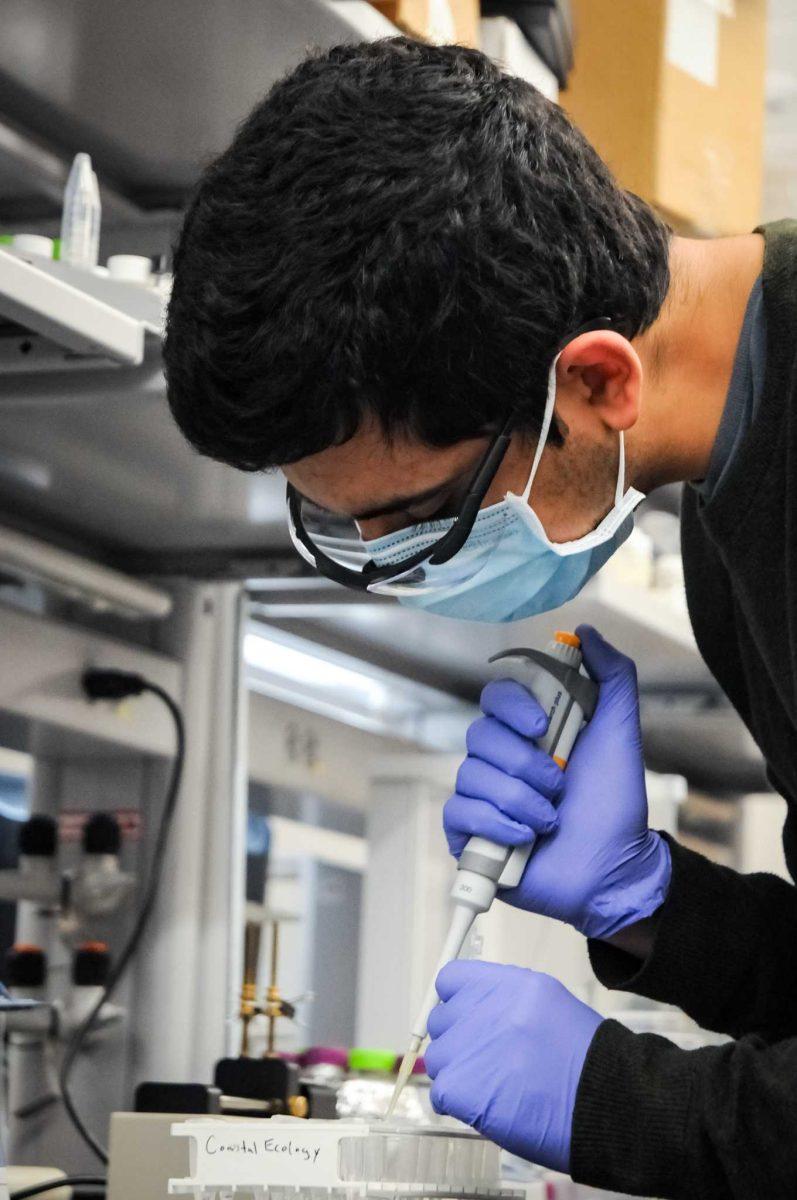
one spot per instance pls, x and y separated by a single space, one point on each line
652 1119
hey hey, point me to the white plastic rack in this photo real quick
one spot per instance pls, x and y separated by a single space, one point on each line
285 1157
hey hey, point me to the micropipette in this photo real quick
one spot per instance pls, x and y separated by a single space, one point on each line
557 680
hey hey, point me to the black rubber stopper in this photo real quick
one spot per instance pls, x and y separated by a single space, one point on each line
38 837
152 1096
26 967
102 835
91 965
257 1078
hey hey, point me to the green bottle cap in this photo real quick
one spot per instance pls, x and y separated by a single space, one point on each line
362 1058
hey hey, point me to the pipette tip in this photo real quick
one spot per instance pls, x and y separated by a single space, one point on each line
405 1070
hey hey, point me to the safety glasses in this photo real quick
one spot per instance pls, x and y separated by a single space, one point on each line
334 546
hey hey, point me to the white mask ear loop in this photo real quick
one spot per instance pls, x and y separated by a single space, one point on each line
545 428
619 491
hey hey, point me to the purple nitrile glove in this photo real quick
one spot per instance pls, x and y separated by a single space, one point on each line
507 1051
597 865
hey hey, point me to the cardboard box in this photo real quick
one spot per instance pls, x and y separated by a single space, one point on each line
671 94
435 20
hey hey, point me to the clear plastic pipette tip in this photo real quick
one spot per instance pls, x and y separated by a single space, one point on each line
405 1070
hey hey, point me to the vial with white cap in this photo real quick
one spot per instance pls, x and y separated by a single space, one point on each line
33 243
132 268
80 219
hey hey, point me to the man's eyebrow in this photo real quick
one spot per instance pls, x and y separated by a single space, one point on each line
403 503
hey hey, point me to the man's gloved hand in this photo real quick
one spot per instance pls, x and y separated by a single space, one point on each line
507 1051
597 866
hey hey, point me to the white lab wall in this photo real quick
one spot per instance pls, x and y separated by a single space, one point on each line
666 793
294 839
759 834
509 935
289 747
405 908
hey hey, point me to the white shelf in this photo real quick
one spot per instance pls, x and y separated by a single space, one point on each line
72 320
646 625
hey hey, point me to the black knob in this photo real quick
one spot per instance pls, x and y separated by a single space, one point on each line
91 965
38 837
102 835
26 966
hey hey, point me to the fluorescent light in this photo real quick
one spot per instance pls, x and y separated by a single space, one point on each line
303 673
307 667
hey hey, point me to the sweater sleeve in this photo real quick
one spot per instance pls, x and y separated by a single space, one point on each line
725 950
714 1124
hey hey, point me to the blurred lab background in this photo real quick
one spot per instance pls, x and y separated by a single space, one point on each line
323 728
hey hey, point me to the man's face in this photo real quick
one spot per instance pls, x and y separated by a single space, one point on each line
388 485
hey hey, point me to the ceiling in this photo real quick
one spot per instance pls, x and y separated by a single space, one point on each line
151 90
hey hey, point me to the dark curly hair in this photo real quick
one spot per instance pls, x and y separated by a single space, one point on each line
402 231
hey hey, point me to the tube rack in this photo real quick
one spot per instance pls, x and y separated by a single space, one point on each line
285 1157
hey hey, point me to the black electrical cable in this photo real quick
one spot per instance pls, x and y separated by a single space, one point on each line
37 1189
115 685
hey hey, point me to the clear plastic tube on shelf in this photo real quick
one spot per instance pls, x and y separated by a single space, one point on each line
80 218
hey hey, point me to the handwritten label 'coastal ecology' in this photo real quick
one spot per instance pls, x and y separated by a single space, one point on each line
245 1147
289 1157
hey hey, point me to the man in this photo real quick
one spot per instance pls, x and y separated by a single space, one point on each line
412 285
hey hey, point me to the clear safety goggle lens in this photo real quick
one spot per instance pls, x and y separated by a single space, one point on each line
339 539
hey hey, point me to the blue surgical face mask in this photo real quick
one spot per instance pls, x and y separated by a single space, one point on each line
509 568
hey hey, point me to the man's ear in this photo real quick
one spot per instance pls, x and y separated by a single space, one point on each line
599 372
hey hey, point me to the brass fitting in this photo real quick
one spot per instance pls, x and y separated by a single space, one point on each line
298 1106
273 1005
248 1006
